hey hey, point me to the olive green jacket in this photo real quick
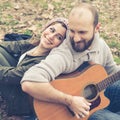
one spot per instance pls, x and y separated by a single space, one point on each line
13 75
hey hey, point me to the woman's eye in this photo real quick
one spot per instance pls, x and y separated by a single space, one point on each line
52 30
60 38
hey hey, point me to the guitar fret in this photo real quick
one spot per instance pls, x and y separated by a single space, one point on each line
108 81
118 75
99 87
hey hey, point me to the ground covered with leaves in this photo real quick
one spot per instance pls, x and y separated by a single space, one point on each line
28 17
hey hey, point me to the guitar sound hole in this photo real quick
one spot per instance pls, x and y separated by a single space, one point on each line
90 92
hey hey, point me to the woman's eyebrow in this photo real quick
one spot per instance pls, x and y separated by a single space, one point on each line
61 35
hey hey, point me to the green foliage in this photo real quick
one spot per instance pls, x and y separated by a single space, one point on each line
9 23
42 3
114 44
5 5
117 59
28 32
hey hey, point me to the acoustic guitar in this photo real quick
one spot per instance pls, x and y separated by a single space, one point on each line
90 83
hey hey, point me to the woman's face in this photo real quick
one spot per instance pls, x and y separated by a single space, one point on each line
53 36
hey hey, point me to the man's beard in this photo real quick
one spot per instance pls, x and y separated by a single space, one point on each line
81 45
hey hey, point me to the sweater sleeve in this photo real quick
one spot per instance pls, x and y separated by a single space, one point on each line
56 63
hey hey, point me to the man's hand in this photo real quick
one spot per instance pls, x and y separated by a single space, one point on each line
79 106
1 41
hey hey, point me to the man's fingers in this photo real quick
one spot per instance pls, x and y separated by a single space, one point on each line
78 117
81 115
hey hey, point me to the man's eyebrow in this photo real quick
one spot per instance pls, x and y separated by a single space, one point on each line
82 31
71 29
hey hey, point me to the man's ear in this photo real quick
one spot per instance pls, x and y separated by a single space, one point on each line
97 27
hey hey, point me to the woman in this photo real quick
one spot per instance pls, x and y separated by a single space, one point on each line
12 70
52 36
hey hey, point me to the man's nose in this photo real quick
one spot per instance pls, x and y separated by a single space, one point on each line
77 37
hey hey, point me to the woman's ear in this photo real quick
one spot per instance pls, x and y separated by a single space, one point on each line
97 27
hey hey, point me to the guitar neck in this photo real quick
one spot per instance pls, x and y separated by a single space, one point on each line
108 81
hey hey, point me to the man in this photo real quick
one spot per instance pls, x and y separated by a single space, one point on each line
83 44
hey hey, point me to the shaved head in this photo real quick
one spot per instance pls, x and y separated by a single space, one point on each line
85 10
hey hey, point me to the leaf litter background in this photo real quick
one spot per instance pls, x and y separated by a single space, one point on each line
28 17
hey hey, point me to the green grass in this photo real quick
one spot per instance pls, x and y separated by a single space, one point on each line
41 3
28 32
117 59
114 44
5 5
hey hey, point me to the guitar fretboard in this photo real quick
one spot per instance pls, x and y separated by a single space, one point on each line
108 81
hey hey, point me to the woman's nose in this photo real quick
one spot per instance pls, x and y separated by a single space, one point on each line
51 36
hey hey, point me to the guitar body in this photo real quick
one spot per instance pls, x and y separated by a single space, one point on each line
73 84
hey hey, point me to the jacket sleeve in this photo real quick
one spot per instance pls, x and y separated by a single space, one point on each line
15 47
12 75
